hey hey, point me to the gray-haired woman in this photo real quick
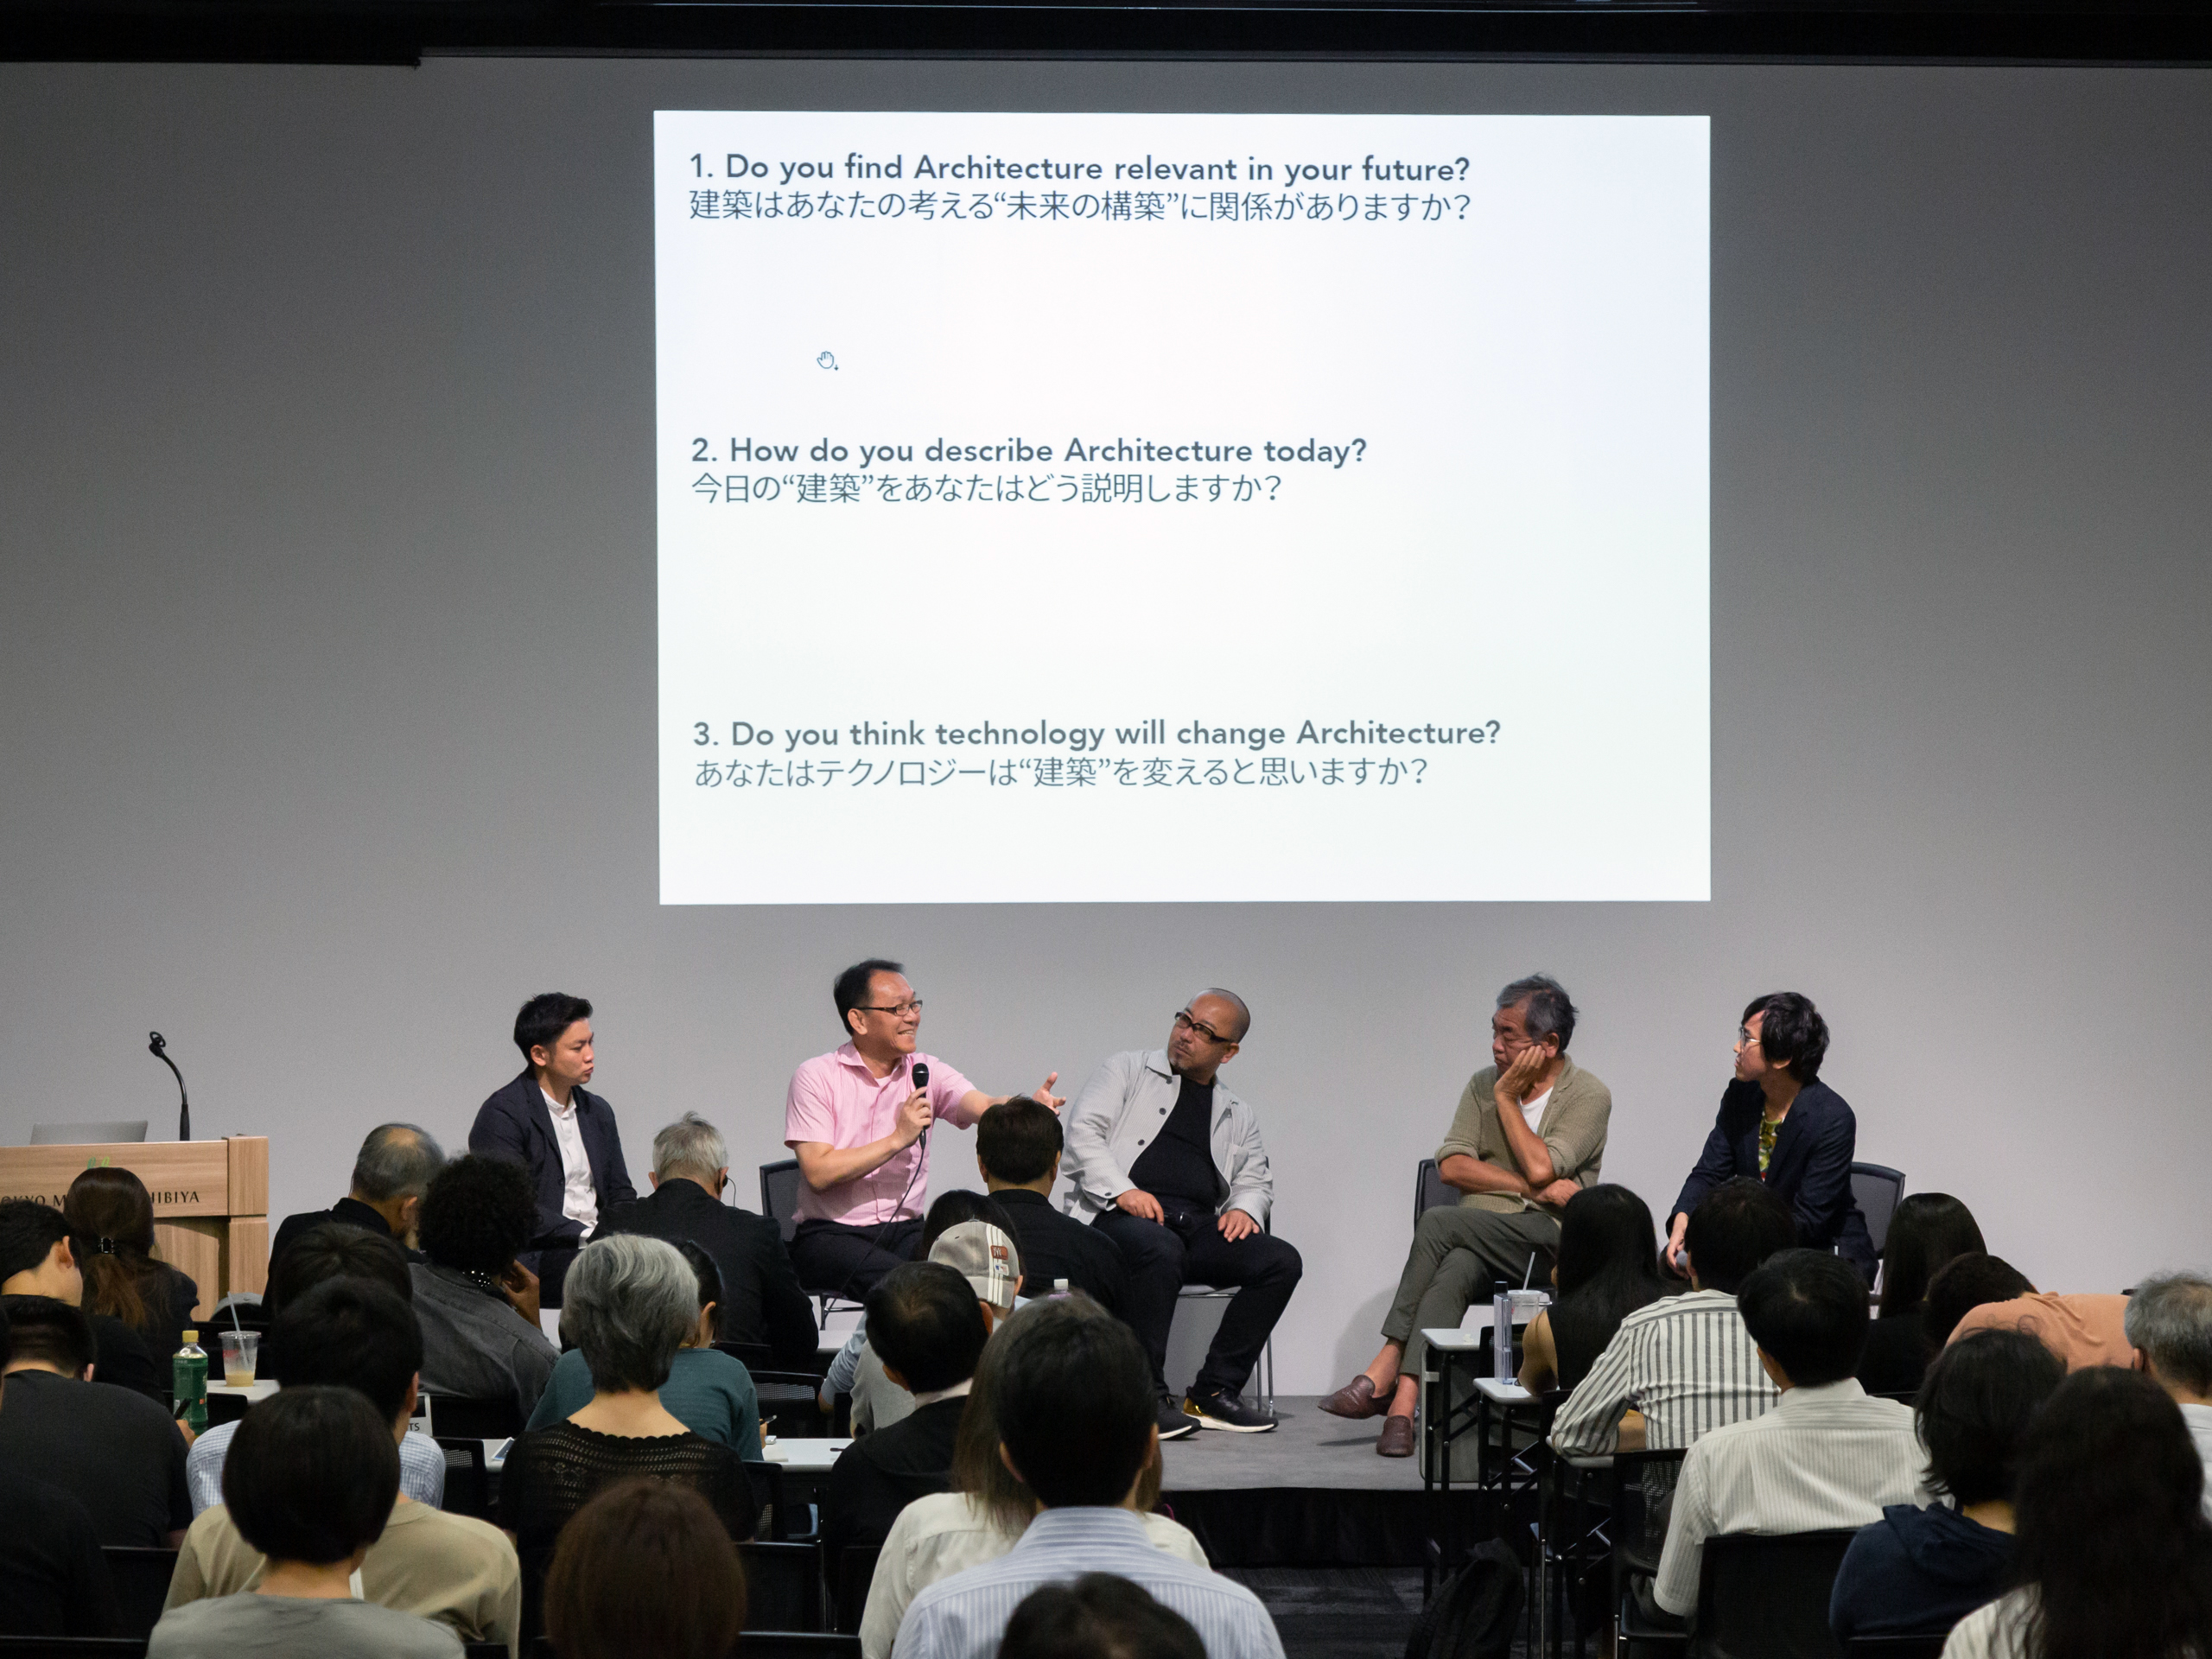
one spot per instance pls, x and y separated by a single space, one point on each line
630 1304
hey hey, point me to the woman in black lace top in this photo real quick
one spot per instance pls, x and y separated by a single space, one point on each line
630 1302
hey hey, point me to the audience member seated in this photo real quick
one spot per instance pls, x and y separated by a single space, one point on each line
1078 1424
982 1517
1980 1293
318 1256
1097 1617
645 1569
477 1305
1684 1365
761 1301
310 1485
2170 1326
1608 1267
117 1452
357 1335
1929 1231
391 1174
928 1328
111 1215
708 1392
1017 1152
2112 1554
54 1580
1917 1572
39 1258
1827 1455
630 1304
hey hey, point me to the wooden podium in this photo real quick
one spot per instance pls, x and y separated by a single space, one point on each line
211 1201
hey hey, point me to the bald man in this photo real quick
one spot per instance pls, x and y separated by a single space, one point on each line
1168 1164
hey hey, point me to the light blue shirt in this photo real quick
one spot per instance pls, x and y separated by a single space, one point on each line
964 1616
421 1468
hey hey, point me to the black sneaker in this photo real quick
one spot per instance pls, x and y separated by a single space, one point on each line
1227 1411
1173 1424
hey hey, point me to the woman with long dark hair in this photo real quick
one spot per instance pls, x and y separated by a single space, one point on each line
1929 1231
2113 1558
1608 1267
111 1215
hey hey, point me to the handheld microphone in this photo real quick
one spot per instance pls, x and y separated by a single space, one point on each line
921 1074
158 1046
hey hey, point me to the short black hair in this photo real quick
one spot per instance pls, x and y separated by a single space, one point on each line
1551 1011
1792 1034
1927 1231
1961 1285
709 1272
1734 1227
1075 1403
349 1333
951 1208
311 1475
479 1214
1808 1312
52 1333
1017 1140
7 1340
28 1232
925 1322
851 989
335 1250
1097 1617
1974 1409
545 1017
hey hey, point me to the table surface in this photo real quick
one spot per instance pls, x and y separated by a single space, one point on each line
803 1453
260 1390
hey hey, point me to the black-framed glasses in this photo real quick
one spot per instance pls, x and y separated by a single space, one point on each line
912 1005
1183 1022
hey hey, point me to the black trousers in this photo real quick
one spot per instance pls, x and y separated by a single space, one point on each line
850 1260
1190 1250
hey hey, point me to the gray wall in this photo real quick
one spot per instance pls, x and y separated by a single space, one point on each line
327 685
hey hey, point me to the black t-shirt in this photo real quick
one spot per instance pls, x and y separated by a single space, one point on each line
1178 1164
125 1360
115 1452
882 1473
1054 1246
54 1581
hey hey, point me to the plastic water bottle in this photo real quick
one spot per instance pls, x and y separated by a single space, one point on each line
189 1382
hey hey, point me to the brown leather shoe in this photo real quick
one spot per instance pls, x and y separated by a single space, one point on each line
1357 1399
1396 1440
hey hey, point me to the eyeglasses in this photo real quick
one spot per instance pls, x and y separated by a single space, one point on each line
912 1006
1183 1022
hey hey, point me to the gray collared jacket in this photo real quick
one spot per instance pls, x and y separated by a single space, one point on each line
1119 1110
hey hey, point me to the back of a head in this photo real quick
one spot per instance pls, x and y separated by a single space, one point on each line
311 1475
1974 1410
645 1569
708 1275
925 1322
1927 1232
2112 1537
1017 1140
1605 1234
51 1332
1075 1403
691 1149
1097 1617
332 1249
477 1215
348 1334
951 1208
1734 1227
1547 1010
1806 1311
1963 1284
629 1304
28 1232
396 1161
2170 1319
111 1215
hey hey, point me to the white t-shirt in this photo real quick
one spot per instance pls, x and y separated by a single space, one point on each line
580 1202
1533 1109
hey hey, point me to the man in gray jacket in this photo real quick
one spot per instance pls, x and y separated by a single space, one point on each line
1168 1165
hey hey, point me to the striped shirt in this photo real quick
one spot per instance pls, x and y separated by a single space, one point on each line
1685 1362
421 1468
1824 1458
964 1616
1998 1630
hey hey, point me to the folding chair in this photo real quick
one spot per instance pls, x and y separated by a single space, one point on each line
779 1184
783 1586
1766 1594
142 1585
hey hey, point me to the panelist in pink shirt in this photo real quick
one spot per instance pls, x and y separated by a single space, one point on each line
861 1131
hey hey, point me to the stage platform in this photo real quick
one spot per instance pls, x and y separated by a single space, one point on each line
1310 1493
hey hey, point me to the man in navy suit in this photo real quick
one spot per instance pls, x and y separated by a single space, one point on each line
564 1135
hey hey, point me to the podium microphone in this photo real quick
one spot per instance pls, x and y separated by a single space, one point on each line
158 1046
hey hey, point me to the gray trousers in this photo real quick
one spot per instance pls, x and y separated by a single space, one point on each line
1457 1254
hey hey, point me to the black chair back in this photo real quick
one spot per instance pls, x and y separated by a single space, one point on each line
754 1356
1431 1190
485 1649
796 1644
767 1483
469 1480
1876 1189
791 1404
1895 1646
142 1585
783 1586
462 1417
1766 1595
779 1195
83 1647
856 1572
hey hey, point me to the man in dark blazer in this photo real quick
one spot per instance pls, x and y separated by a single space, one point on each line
1017 1152
761 1301
390 1178
564 1135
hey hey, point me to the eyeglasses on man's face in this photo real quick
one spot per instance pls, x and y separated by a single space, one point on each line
1183 1022
912 1005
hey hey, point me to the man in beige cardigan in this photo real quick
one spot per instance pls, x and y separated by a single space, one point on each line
1528 1135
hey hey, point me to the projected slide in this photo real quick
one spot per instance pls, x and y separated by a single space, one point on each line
1181 508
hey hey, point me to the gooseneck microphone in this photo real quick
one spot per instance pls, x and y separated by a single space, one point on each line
158 1046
